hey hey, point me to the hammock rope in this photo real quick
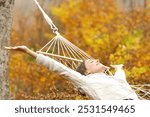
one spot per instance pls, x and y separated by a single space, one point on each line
143 91
70 55
47 18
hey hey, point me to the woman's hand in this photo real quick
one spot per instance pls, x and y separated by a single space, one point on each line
18 48
23 49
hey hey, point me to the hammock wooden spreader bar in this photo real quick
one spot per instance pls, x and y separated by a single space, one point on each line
59 56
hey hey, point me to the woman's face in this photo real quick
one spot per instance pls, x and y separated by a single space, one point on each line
94 66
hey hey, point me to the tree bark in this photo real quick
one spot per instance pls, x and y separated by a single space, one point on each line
129 5
5 30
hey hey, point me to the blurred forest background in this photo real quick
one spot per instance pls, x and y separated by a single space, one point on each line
114 31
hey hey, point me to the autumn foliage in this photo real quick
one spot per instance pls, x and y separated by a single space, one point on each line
99 28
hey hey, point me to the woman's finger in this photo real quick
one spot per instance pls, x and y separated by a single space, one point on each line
9 48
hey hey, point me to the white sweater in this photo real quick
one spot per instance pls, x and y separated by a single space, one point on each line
97 86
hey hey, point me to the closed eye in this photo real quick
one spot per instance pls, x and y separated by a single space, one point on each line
91 61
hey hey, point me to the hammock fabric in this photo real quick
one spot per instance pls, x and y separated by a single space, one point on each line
70 55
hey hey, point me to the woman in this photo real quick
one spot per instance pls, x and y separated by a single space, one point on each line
89 77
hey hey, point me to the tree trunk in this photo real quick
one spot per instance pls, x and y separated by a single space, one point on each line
129 5
5 30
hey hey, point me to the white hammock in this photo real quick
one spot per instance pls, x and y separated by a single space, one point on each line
70 55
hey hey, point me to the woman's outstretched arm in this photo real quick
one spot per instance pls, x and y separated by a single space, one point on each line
52 65
23 49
